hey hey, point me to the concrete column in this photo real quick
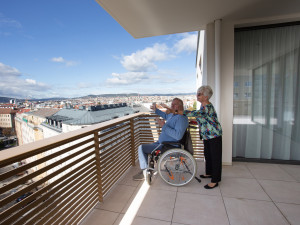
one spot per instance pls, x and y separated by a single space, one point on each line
217 90
218 73
226 88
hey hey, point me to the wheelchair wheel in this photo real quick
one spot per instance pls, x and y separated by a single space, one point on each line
177 167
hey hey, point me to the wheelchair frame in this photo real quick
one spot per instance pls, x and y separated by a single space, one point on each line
176 166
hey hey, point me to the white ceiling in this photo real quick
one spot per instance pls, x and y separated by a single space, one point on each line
146 18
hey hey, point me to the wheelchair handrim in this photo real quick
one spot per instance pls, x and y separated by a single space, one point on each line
186 154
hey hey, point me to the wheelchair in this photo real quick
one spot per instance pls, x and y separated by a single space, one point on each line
176 166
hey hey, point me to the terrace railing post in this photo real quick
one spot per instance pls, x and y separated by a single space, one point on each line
99 176
132 142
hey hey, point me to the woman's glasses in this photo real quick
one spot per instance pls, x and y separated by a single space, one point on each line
199 94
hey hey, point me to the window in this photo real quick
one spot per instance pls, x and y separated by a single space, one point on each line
247 95
248 84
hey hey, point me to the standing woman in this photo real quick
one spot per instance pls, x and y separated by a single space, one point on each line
210 131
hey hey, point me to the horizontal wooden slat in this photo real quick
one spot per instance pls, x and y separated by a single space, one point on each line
68 210
105 155
42 170
44 193
111 166
102 146
30 187
54 208
106 168
48 199
85 211
88 202
111 132
109 184
115 171
42 160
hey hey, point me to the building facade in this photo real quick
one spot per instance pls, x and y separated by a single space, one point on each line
28 124
7 117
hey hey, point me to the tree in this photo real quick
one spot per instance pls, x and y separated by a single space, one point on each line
7 132
195 105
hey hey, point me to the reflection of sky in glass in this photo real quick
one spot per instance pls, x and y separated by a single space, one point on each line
242 120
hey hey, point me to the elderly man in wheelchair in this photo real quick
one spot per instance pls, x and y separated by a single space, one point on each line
175 166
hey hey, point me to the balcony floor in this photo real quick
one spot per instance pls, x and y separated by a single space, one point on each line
250 193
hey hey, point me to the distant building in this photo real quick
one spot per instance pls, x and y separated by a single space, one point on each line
8 106
70 119
28 122
7 118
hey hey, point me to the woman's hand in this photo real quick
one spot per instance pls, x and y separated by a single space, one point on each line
169 110
165 106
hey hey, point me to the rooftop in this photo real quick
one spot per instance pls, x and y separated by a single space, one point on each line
86 117
7 111
44 112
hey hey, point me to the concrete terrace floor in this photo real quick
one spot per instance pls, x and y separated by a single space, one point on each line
250 193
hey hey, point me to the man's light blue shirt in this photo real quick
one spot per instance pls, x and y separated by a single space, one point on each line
174 128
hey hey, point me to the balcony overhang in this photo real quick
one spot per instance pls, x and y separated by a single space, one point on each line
147 18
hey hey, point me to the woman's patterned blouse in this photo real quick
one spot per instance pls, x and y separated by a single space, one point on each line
209 126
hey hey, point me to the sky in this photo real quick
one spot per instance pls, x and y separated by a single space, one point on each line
63 48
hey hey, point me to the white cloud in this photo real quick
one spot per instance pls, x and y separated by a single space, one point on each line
58 59
30 81
187 44
71 63
62 60
13 85
7 72
127 78
142 61
7 22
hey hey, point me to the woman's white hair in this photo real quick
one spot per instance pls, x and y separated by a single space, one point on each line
206 91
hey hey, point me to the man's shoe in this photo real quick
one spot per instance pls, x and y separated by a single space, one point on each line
139 176
205 176
209 187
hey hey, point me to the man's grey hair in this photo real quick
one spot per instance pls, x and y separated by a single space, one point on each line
206 91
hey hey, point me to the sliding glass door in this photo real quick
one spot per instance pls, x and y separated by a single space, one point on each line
267 92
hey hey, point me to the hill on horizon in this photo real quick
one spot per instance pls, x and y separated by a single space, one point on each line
7 99
134 94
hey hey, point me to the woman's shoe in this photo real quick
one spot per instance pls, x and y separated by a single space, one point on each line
209 187
205 176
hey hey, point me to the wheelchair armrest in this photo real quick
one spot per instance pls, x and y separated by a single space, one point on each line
171 143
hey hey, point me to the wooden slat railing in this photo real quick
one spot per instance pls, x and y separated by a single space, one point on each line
67 175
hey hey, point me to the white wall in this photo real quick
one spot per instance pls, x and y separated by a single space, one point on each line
226 101
226 81
48 132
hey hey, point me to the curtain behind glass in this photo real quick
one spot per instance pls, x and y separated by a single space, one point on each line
267 93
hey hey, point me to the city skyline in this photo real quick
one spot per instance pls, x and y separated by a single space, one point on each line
57 49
